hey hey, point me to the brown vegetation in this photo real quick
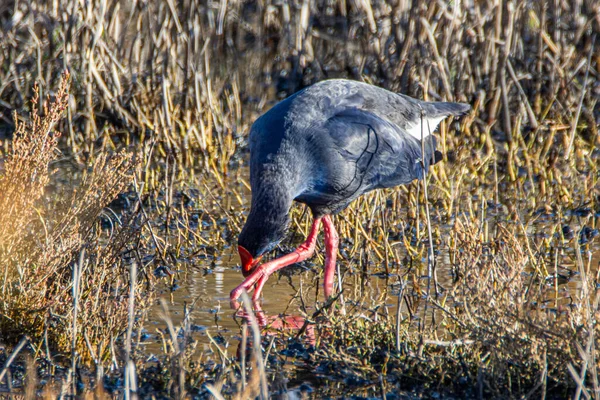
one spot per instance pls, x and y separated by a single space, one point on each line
513 206
55 257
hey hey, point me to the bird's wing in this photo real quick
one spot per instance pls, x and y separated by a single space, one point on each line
365 151
403 111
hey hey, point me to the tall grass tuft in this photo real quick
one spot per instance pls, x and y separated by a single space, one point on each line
40 241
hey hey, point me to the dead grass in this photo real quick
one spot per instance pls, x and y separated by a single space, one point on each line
499 330
43 240
178 83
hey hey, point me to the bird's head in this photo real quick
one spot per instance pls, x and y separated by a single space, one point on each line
255 240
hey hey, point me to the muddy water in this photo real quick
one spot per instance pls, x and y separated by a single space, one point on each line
200 290
203 290
205 296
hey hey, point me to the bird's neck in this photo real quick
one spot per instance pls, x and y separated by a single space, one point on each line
267 221
270 206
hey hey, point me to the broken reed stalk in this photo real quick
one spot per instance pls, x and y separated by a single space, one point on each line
431 270
178 348
256 343
214 392
243 353
431 264
130 373
30 378
399 313
530 113
77 270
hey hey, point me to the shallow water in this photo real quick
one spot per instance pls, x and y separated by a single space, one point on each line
206 294
203 289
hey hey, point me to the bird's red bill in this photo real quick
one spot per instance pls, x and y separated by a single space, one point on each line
248 262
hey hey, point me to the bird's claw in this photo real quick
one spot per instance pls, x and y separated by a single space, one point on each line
258 288
236 293
254 281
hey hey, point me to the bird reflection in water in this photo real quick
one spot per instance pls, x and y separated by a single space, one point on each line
270 325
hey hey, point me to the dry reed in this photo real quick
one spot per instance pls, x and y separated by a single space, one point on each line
181 82
42 239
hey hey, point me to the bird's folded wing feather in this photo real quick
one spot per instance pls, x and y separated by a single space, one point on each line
372 152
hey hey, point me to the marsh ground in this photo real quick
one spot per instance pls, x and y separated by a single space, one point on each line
142 196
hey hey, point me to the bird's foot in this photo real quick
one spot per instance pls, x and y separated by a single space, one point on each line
257 280
258 288
261 273
256 309
237 292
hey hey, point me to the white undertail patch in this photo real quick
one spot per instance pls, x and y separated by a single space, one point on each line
429 126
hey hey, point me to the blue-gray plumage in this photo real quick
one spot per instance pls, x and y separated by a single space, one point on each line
327 145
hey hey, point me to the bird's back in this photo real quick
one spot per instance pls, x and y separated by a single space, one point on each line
333 141
325 99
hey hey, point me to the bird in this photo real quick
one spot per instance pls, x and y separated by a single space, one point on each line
325 146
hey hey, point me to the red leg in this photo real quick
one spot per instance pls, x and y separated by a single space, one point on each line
260 275
331 248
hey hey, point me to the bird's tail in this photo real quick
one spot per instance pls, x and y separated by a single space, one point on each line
444 109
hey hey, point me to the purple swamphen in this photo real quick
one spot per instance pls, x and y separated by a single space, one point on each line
325 146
